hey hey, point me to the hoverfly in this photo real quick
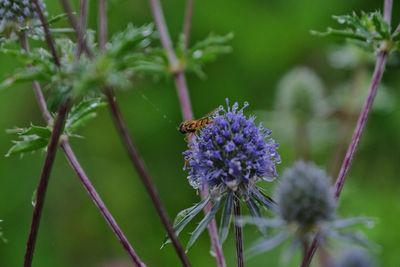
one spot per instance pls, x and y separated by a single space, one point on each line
192 126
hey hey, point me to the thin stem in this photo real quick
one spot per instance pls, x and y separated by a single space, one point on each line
47 34
362 120
144 174
74 162
103 24
74 23
387 11
187 23
99 203
163 31
44 180
358 131
238 233
82 22
132 152
187 113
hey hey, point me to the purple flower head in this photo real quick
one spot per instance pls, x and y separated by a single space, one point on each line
231 153
17 13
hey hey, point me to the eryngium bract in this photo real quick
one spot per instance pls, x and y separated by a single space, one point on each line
305 195
231 153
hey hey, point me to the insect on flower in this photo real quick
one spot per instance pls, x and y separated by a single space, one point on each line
192 126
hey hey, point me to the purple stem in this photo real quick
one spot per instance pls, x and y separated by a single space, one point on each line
163 31
358 131
187 23
132 151
74 23
144 174
238 233
71 156
99 203
103 24
47 34
186 108
362 120
44 181
387 11
82 22
125 136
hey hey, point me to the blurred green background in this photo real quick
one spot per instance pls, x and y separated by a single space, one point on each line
271 37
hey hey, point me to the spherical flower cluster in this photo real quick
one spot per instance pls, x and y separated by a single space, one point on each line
17 13
305 195
300 94
231 153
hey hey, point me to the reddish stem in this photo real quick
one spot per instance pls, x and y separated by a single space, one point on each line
358 131
186 107
44 181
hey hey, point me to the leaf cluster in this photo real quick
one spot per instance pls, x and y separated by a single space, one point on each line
368 30
34 138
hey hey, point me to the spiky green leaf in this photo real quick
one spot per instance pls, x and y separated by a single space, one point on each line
203 224
226 218
184 217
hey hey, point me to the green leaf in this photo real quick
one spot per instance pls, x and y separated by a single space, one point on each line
184 217
82 113
369 28
132 38
42 132
206 51
28 145
226 218
203 224
263 199
253 208
267 244
29 139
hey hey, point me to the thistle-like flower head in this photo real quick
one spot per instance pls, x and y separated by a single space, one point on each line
231 153
305 195
15 14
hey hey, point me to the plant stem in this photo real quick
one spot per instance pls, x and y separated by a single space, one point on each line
44 180
387 11
99 203
362 120
143 174
103 24
132 151
125 136
238 233
358 131
47 34
187 114
82 22
187 23
75 25
72 158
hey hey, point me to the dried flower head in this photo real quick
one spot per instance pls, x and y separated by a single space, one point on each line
305 195
231 153
16 14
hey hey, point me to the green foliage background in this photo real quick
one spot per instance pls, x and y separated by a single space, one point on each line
271 37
